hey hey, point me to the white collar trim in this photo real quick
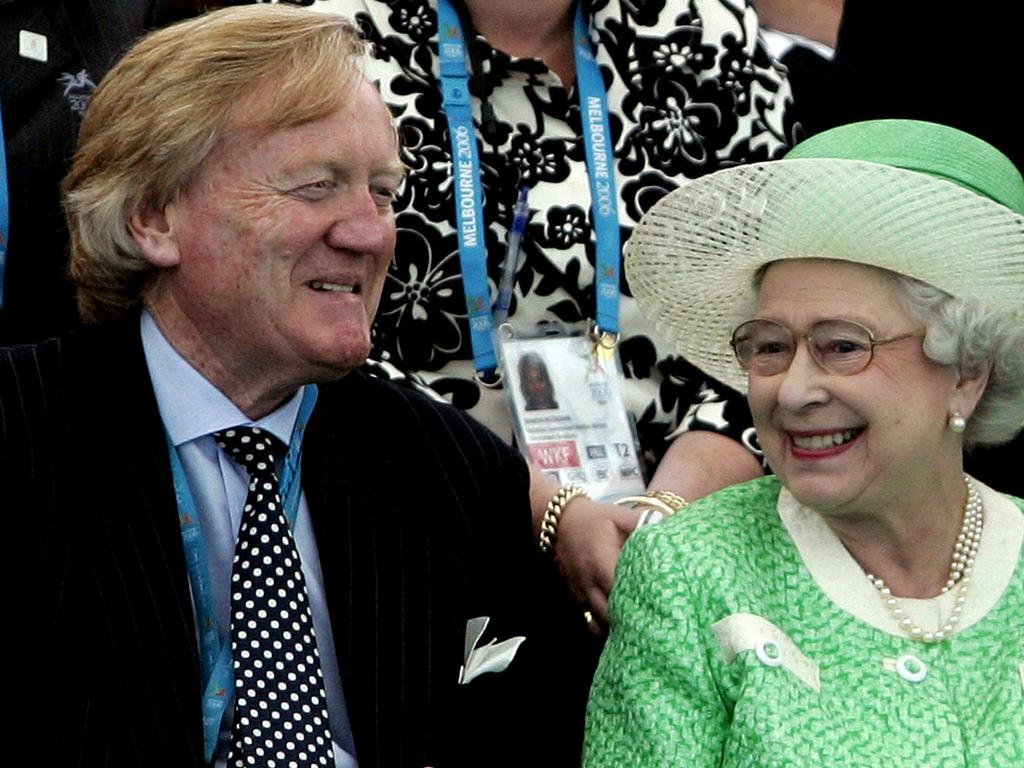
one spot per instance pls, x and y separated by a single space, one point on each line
844 583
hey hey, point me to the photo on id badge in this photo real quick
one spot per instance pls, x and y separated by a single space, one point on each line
569 416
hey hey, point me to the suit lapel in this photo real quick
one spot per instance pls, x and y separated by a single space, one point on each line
377 573
144 599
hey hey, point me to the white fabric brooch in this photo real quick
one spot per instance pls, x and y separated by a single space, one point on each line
749 632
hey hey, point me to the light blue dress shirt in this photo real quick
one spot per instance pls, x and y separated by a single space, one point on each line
193 409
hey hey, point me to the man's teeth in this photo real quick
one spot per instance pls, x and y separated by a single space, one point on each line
320 285
817 442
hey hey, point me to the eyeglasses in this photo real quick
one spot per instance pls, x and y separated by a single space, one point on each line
765 348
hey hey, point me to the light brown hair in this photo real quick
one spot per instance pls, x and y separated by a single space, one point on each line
158 114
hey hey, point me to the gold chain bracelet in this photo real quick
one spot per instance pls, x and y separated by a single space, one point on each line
553 515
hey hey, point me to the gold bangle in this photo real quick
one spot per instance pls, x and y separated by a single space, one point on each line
553 515
666 502
674 500
647 501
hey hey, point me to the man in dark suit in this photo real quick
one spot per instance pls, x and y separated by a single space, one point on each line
230 214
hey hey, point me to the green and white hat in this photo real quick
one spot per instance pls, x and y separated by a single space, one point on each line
921 199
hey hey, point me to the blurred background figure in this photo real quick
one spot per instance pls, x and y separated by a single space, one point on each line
52 55
801 35
935 61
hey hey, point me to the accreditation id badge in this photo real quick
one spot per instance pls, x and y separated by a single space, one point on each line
570 419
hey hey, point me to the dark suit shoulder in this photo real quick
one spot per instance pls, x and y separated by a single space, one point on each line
32 403
416 422
89 471
364 383
79 372
423 522
29 362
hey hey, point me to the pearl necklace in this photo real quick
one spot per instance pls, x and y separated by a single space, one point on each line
960 570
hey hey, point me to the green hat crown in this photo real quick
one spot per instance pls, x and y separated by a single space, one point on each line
914 145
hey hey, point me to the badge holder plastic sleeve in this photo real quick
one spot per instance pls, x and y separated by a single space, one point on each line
568 411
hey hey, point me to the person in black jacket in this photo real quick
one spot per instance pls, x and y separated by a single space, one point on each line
229 268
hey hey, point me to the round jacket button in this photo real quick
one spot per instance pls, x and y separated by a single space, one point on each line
911 668
769 653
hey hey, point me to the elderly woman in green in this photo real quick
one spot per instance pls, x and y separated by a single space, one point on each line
865 605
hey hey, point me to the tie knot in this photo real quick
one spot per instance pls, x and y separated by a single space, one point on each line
252 447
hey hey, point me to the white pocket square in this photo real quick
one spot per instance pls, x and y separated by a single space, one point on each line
493 657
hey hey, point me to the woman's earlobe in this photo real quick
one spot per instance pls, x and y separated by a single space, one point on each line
969 389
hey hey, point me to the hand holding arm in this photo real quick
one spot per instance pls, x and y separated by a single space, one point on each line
591 534
590 537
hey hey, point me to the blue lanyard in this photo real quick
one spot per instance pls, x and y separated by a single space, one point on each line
469 192
597 138
469 212
5 217
215 657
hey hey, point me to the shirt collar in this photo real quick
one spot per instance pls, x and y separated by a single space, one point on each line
190 406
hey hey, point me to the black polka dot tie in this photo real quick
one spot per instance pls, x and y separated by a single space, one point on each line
280 705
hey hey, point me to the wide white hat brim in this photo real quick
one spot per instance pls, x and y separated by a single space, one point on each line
692 258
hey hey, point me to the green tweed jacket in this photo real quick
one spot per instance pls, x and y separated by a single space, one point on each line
743 634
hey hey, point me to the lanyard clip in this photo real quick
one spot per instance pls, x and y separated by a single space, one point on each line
489 379
603 342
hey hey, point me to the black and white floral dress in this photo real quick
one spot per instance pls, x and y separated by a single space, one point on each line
690 90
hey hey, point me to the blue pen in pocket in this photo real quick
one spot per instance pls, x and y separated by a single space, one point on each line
508 270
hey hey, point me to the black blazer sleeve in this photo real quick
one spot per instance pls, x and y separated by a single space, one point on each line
107 653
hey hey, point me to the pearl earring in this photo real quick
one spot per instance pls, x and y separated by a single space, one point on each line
957 423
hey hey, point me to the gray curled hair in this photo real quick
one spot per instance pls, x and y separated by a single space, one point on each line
163 108
972 337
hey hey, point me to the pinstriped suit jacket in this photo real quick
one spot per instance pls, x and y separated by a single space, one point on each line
421 518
